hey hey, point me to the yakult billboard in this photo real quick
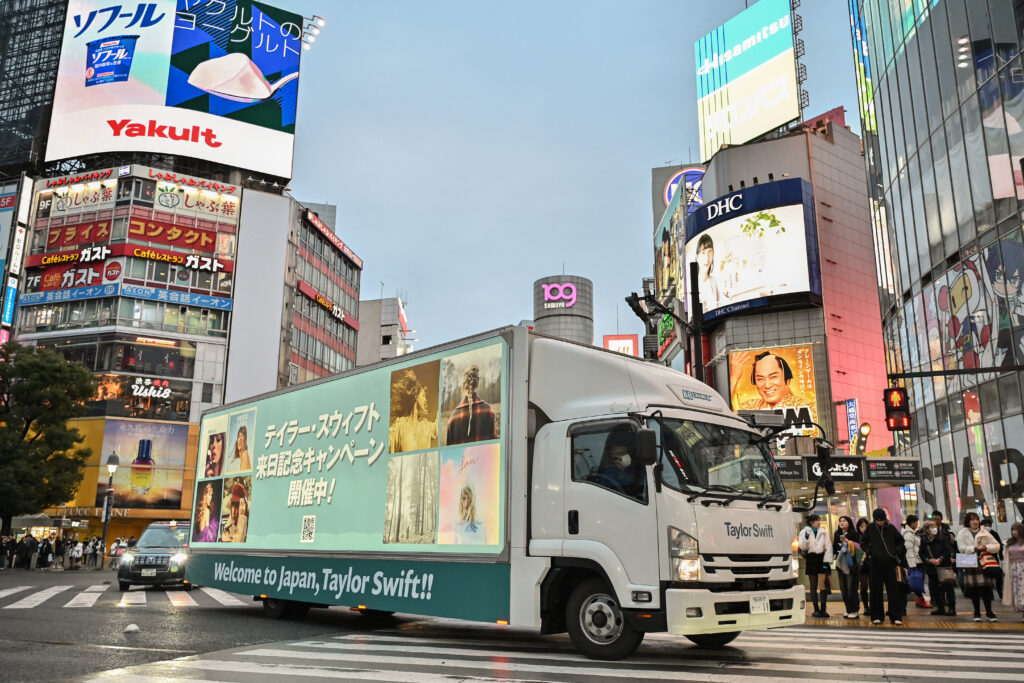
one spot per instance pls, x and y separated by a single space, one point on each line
210 79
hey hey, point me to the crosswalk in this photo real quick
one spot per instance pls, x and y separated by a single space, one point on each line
107 595
434 650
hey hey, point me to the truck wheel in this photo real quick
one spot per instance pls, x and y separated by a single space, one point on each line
274 608
296 610
596 624
713 641
123 585
376 613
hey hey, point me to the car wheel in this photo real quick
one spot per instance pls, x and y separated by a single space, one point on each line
124 585
596 624
713 641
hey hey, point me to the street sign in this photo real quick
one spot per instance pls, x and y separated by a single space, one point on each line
893 469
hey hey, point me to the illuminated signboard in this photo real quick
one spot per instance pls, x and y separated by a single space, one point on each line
10 296
778 379
754 246
6 220
746 76
191 261
67 276
691 179
78 294
403 464
328 305
326 231
209 80
559 295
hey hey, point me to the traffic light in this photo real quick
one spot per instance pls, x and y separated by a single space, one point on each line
897 409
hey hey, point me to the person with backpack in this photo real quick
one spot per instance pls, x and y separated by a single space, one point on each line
887 553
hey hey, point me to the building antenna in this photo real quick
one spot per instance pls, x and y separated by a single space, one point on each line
617 319
381 289
563 268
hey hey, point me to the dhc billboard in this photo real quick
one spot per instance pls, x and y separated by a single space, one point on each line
754 247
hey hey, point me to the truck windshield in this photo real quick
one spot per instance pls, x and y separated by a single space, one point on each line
704 457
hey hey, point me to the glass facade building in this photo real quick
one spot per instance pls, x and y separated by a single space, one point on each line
941 87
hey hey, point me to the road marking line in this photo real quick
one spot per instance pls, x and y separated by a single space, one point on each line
132 598
549 669
280 671
99 588
37 598
180 599
83 599
687 655
223 598
11 591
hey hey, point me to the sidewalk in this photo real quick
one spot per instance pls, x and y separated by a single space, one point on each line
1009 622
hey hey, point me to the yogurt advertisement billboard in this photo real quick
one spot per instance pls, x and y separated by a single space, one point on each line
746 76
214 80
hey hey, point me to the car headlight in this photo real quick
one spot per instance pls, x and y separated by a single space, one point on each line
684 555
127 558
179 558
795 564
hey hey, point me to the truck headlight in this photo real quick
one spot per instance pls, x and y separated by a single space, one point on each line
179 558
684 555
795 565
126 558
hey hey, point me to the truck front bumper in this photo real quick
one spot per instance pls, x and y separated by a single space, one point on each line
692 611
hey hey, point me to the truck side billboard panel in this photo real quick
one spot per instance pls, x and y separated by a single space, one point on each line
405 458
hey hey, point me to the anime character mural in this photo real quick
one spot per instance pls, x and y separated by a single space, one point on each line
1003 273
966 319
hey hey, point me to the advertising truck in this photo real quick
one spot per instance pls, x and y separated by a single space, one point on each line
510 478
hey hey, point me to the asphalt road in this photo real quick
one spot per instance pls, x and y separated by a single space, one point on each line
49 641
70 626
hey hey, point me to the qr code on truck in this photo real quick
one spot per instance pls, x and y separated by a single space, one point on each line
308 529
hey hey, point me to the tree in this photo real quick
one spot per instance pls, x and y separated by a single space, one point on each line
40 466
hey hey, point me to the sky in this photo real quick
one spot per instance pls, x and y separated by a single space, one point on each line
474 147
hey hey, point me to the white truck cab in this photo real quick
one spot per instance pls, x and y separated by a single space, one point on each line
696 542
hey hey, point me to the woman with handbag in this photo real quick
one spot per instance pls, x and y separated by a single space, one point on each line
977 552
1013 590
937 559
849 557
865 597
814 545
887 559
915 573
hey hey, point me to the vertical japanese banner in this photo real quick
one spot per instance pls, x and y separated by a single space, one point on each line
402 458
211 79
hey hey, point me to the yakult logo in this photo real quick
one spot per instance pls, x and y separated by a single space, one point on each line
563 294
724 206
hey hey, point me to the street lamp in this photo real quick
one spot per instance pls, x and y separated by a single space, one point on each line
108 503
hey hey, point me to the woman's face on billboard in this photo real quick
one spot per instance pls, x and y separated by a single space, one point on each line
705 256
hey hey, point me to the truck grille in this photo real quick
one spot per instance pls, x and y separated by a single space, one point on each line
743 606
744 558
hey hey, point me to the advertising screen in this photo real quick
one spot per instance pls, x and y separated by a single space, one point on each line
214 80
750 257
401 458
753 246
628 344
8 193
152 462
668 235
746 76
777 379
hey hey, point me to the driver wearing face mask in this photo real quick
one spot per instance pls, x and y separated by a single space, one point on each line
618 473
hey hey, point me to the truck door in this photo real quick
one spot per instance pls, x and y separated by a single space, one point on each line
611 515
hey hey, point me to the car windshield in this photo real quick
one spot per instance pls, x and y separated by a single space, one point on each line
164 537
705 457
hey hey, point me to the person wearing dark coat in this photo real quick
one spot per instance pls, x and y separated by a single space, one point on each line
848 569
936 551
887 552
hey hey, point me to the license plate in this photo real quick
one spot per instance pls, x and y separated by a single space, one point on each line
759 605
152 572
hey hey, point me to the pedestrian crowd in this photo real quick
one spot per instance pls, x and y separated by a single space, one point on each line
52 552
923 561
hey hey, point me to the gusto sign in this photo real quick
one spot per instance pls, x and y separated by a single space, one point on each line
559 295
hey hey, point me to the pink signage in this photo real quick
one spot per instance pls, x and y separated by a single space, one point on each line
564 295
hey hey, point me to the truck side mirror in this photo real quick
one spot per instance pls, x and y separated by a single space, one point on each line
646 447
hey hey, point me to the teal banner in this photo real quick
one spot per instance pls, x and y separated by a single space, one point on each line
459 590
407 458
